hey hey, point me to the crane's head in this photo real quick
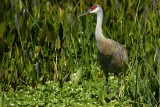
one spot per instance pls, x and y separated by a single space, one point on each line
93 9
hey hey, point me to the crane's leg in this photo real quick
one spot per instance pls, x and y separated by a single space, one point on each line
104 67
119 79
107 84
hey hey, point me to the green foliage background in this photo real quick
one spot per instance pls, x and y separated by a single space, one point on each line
46 49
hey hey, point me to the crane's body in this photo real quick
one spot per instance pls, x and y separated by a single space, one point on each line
111 54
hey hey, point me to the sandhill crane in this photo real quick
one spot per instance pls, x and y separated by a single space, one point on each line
112 55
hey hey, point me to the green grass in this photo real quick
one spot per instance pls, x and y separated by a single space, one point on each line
87 93
48 55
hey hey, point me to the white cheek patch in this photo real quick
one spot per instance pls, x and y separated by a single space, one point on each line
94 11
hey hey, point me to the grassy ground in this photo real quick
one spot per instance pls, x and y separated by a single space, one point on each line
86 93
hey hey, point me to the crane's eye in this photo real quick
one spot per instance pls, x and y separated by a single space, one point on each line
93 7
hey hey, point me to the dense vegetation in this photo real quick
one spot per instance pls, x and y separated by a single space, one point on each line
48 56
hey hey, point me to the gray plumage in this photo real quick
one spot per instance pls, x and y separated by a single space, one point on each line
111 54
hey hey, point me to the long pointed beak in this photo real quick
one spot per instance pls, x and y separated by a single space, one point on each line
87 12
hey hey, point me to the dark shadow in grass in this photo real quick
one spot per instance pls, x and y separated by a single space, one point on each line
114 97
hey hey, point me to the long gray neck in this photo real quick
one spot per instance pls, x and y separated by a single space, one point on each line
98 32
